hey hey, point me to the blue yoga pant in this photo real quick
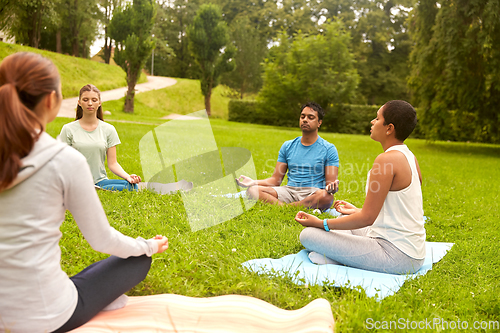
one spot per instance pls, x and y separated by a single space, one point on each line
101 283
353 248
117 185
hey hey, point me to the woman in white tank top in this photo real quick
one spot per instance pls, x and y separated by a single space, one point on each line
387 234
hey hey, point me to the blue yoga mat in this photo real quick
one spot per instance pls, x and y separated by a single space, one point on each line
378 285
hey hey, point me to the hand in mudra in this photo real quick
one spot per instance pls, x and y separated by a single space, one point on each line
245 181
344 207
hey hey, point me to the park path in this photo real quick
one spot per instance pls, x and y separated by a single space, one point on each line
68 105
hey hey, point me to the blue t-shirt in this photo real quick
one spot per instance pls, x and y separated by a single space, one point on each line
306 164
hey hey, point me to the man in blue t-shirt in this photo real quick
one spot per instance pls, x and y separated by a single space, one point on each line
312 164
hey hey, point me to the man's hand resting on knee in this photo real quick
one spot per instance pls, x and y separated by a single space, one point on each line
332 188
245 181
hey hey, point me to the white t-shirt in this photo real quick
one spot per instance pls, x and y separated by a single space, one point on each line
93 145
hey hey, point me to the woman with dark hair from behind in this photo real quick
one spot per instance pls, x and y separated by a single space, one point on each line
38 184
96 139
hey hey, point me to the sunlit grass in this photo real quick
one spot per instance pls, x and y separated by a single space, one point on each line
182 98
76 72
461 195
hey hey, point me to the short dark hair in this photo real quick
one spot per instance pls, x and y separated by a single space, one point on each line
316 107
402 115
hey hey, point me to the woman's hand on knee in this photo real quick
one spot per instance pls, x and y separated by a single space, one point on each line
308 220
344 207
162 242
133 179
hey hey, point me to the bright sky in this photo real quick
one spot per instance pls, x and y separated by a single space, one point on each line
97 46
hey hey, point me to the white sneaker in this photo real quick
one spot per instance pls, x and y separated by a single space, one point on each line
321 259
118 303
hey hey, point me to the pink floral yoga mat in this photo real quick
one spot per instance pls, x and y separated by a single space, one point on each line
229 313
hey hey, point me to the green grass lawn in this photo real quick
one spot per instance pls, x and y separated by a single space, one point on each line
76 72
461 183
182 98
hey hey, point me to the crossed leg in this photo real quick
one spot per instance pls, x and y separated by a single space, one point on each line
320 199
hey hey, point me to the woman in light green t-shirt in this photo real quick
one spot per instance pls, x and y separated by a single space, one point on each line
96 140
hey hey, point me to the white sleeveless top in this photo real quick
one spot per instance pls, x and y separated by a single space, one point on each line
401 219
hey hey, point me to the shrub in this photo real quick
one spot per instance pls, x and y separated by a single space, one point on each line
344 118
244 111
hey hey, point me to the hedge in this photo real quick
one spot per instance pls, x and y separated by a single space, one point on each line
352 119
344 118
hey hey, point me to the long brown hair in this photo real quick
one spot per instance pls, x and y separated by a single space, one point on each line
79 110
25 78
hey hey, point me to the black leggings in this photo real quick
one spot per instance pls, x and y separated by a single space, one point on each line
101 283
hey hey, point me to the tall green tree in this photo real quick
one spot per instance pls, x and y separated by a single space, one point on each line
81 22
306 68
262 14
172 57
251 50
26 19
295 16
209 43
107 8
131 29
382 46
455 76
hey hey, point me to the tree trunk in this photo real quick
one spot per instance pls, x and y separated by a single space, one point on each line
34 35
75 47
242 89
39 32
107 48
207 102
84 48
75 30
129 98
58 41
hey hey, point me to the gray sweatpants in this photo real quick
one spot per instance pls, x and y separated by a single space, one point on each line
353 248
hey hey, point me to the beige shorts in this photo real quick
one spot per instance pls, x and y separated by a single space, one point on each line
288 194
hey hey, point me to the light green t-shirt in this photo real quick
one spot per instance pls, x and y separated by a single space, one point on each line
93 145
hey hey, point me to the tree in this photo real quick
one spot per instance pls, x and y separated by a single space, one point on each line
25 19
131 30
107 9
455 76
251 50
172 57
382 46
295 16
208 41
306 68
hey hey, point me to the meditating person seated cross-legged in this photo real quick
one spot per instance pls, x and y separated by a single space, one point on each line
386 235
38 183
96 140
310 162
